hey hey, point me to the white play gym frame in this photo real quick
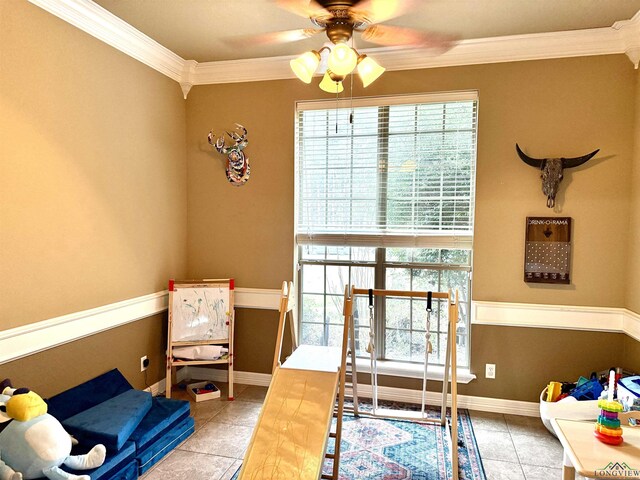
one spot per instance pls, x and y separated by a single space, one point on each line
450 365
306 356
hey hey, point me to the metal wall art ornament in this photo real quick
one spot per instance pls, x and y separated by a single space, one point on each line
552 171
238 168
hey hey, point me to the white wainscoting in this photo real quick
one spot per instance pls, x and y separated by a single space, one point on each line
29 339
26 340
564 317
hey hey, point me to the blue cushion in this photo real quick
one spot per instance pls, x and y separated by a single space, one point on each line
88 394
164 414
112 421
128 472
155 451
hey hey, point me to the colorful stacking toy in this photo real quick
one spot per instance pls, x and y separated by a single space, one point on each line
608 425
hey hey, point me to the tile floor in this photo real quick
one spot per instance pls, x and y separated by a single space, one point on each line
512 447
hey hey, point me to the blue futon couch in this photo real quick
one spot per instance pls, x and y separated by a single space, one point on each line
137 429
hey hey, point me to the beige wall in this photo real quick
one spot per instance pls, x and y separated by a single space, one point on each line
631 360
57 369
528 359
586 104
633 285
93 190
96 205
632 346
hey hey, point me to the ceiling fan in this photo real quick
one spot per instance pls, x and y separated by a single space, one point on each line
339 19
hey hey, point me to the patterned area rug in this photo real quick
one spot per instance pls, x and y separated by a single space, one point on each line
381 449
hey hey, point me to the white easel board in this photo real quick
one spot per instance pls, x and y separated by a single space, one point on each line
200 313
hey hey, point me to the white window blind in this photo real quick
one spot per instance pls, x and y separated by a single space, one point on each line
387 172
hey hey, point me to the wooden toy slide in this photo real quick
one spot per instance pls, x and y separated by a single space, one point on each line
290 438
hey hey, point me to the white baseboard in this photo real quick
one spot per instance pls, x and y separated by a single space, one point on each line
157 388
219 375
484 404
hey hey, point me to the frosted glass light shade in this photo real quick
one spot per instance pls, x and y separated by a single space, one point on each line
369 70
342 59
329 85
305 65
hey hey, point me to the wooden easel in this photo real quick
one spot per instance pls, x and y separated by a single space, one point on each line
450 364
227 311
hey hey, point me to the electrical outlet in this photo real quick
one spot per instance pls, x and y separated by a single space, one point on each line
490 370
144 363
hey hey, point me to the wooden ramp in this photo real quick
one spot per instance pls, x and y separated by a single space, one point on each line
295 424
290 438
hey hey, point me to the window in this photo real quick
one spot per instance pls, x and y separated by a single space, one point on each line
385 199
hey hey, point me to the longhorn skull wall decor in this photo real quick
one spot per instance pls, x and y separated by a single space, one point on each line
238 168
552 171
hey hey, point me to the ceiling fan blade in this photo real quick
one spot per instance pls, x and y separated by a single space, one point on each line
270 38
287 35
303 8
392 36
378 11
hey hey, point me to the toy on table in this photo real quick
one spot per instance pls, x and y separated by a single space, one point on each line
608 425
34 443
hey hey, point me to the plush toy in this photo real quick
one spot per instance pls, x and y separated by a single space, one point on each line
34 444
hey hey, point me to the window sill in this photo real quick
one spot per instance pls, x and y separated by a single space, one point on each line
412 370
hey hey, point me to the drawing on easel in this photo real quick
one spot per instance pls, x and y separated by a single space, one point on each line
200 313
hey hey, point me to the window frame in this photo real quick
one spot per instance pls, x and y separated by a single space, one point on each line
380 265
442 239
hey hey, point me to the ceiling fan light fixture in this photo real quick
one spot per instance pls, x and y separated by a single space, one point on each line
305 65
369 70
331 83
342 59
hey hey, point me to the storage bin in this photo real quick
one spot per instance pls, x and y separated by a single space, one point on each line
201 397
570 410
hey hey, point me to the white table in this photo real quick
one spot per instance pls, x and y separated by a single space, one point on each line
587 455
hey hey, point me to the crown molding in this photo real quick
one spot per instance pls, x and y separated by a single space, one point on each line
621 37
105 26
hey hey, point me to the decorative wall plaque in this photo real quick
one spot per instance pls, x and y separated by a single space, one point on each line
547 250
